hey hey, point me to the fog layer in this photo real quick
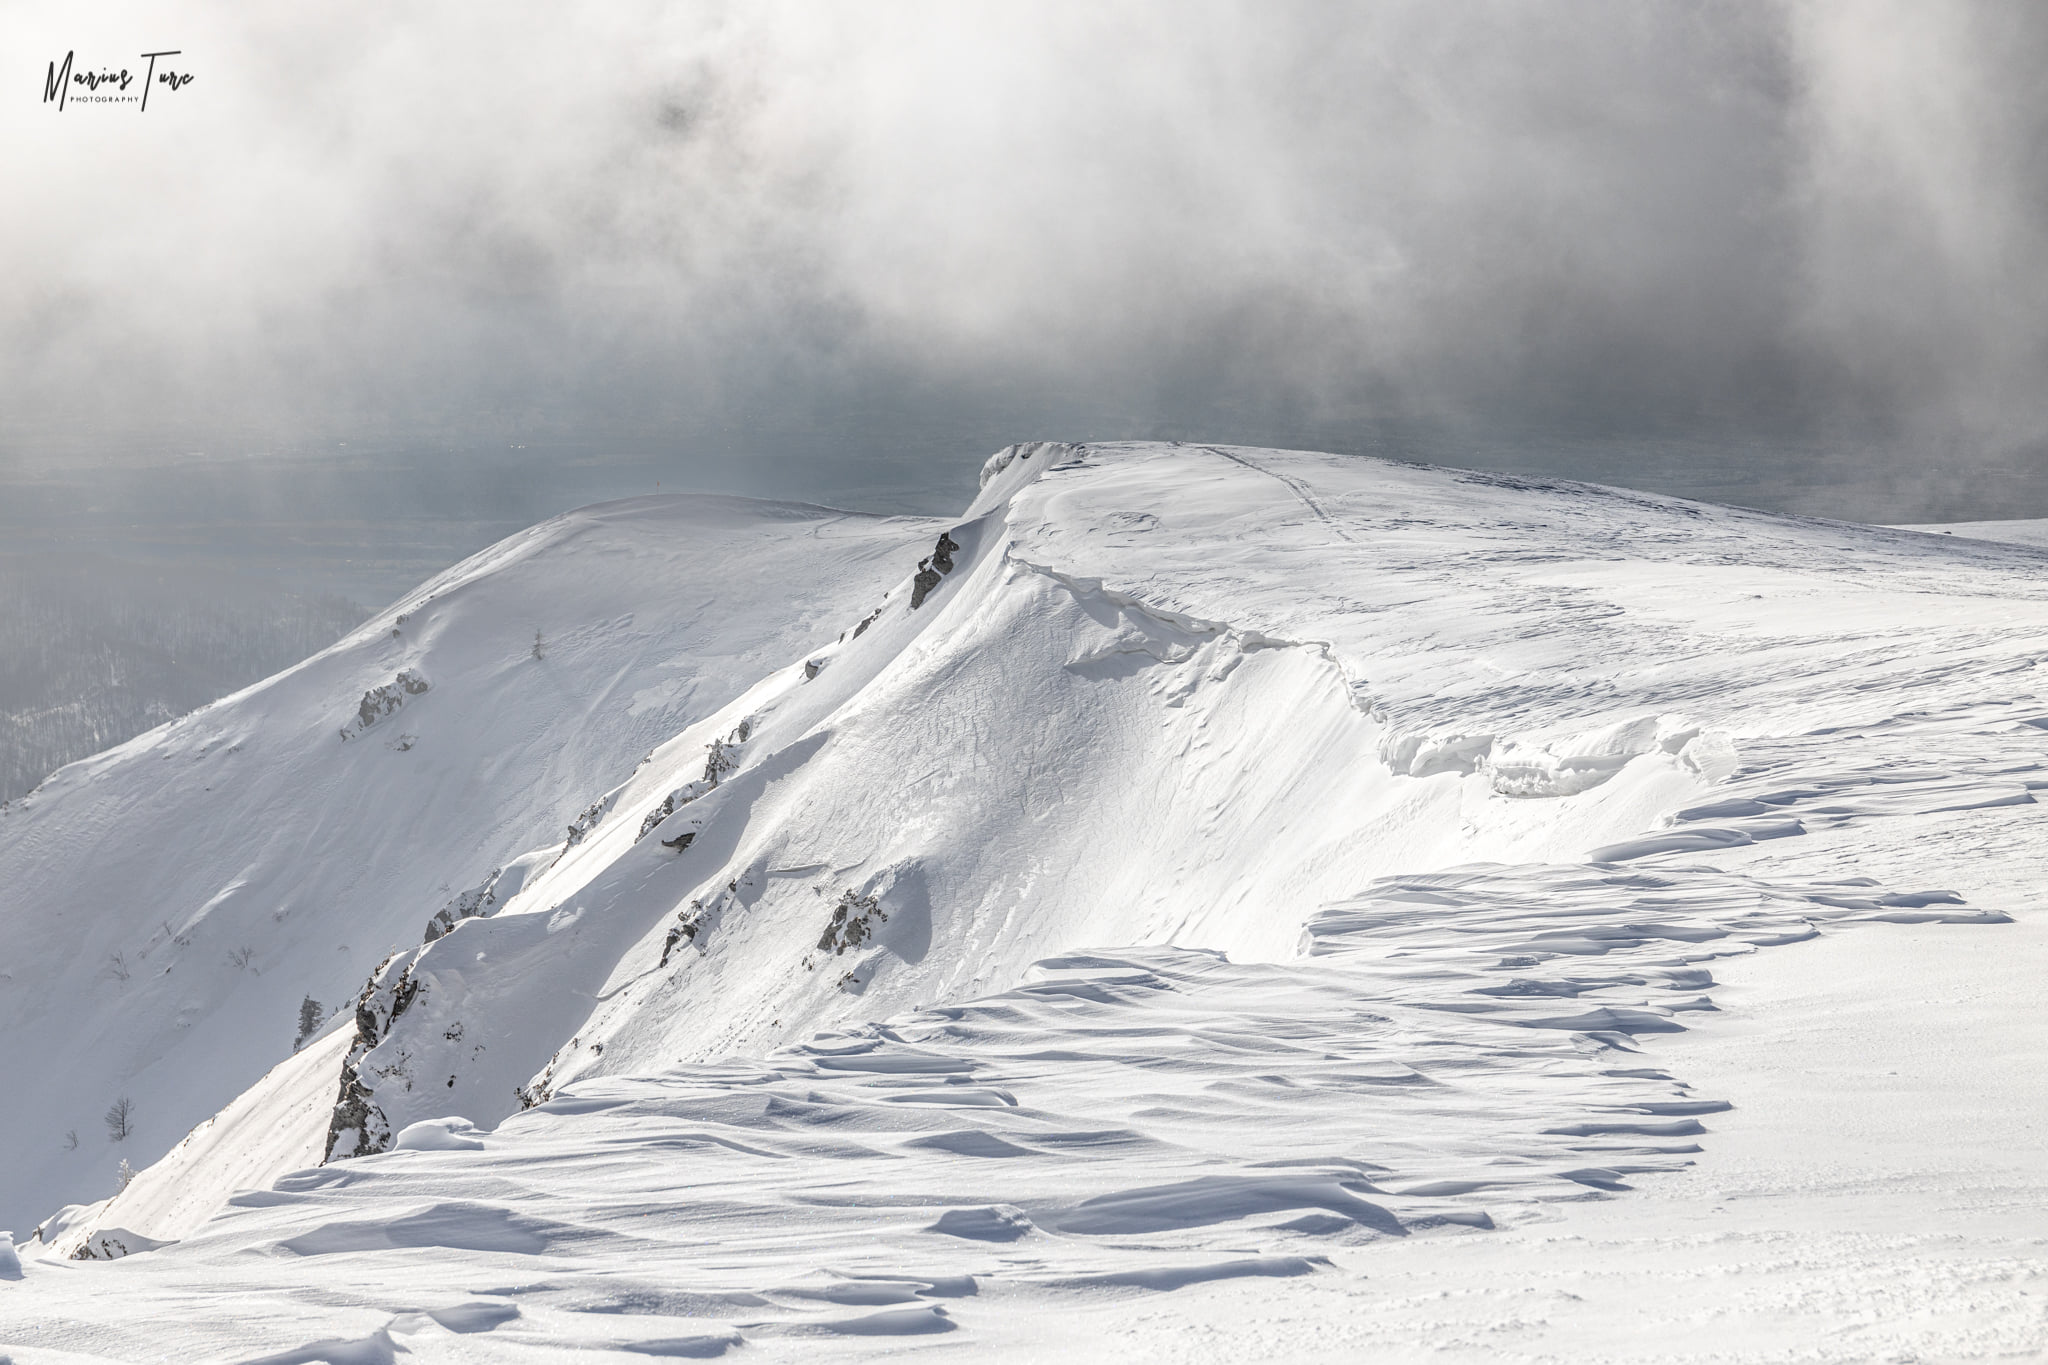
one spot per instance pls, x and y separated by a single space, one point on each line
1294 223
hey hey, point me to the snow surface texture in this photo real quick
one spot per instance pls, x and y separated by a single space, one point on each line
1202 868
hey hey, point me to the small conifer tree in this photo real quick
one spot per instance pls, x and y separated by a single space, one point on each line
310 1017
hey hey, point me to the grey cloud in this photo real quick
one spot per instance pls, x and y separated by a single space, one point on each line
1605 216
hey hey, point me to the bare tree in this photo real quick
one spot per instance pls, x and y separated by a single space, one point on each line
70 1139
120 1120
117 963
540 645
240 958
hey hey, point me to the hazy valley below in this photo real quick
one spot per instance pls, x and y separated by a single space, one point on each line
95 650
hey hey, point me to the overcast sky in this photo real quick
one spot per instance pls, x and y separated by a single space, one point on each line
896 229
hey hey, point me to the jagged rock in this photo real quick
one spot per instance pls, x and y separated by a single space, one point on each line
852 923
670 804
379 702
358 1127
722 756
489 896
478 900
693 921
591 816
111 1244
931 571
697 917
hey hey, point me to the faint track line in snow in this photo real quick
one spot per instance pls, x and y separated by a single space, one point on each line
1301 490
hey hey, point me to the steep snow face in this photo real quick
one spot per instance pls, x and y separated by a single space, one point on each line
167 906
1198 865
1009 759
1180 695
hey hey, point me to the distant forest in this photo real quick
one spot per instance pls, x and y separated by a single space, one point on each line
95 650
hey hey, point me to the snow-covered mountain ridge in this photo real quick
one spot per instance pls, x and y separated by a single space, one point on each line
1190 864
315 822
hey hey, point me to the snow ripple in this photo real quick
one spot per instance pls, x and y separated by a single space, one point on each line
1451 1048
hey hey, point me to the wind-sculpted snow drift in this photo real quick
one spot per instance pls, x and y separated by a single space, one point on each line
1198 862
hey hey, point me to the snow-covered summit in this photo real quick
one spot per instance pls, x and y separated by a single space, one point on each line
1153 695
1188 864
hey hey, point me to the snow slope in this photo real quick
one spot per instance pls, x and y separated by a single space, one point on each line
166 906
1210 867
2024 532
